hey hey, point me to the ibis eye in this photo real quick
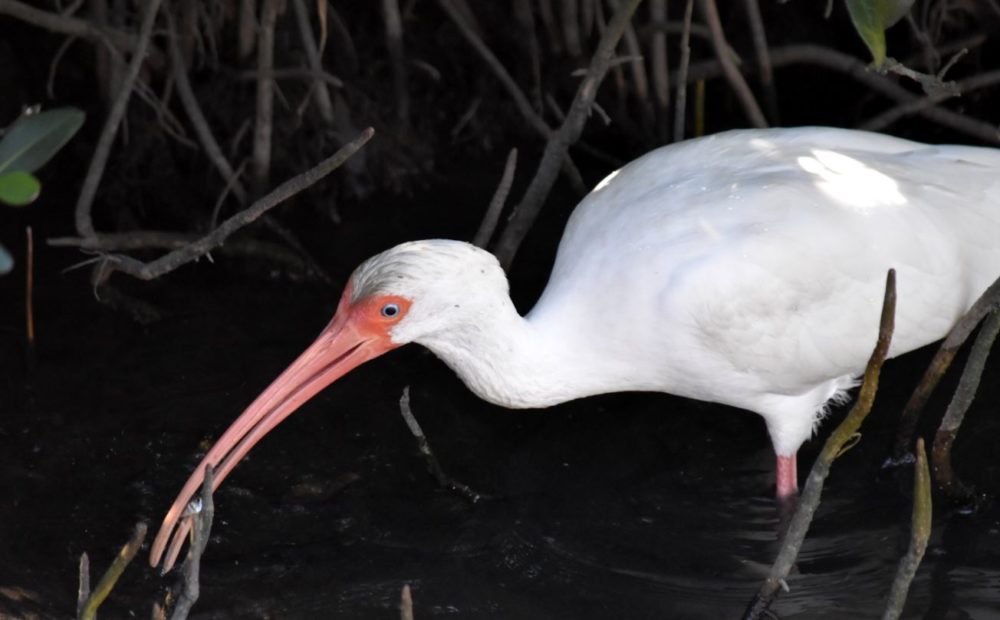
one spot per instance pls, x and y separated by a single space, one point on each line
390 310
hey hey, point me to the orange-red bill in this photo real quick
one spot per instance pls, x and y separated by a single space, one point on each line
348 341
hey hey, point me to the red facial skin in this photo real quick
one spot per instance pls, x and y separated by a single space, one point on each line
358 332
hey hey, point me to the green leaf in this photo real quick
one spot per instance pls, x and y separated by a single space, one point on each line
33 139
6 261
872 17
19 188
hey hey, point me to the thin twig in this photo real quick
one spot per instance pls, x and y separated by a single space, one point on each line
29 289
406 604
50 87
700 31
167 120
246 28
548 19
515 92
84 222
321 94
659 66
180 256
763 58
733 75
840 439
633 58
394 43
492 215
121 242
525 16
520 99
190 584
944 475
920 533
83 590
570 14
197 117
294 73
858 70
71 26
682 71
987 302
568 133
263 119
88 610
443 479
893 114
229 187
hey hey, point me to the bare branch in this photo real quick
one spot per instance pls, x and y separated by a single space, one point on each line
71 26
443 479
492 216
763 58
394 42
173 260
515 92
321 93
944 475
835 445
917 105
567 134
858 70
190 586
682 77
197 117
987 302
659 67
261 166
84 223
733 75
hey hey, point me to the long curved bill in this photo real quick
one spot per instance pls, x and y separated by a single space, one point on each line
342 346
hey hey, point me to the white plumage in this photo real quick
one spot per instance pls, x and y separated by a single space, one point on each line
745 268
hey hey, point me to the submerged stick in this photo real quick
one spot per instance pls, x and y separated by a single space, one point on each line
920 532
840 440
433 466
83 589
190 586
406 604
88 608
986 303
944 475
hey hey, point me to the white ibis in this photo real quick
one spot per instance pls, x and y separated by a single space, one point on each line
744 268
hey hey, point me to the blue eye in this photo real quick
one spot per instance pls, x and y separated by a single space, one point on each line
390 310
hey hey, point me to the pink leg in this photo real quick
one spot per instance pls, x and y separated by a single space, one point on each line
786 477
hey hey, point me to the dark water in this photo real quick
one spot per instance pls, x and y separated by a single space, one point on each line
627 506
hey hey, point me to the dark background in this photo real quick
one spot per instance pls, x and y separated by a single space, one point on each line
624 506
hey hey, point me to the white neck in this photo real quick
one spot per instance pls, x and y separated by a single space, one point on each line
518 362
